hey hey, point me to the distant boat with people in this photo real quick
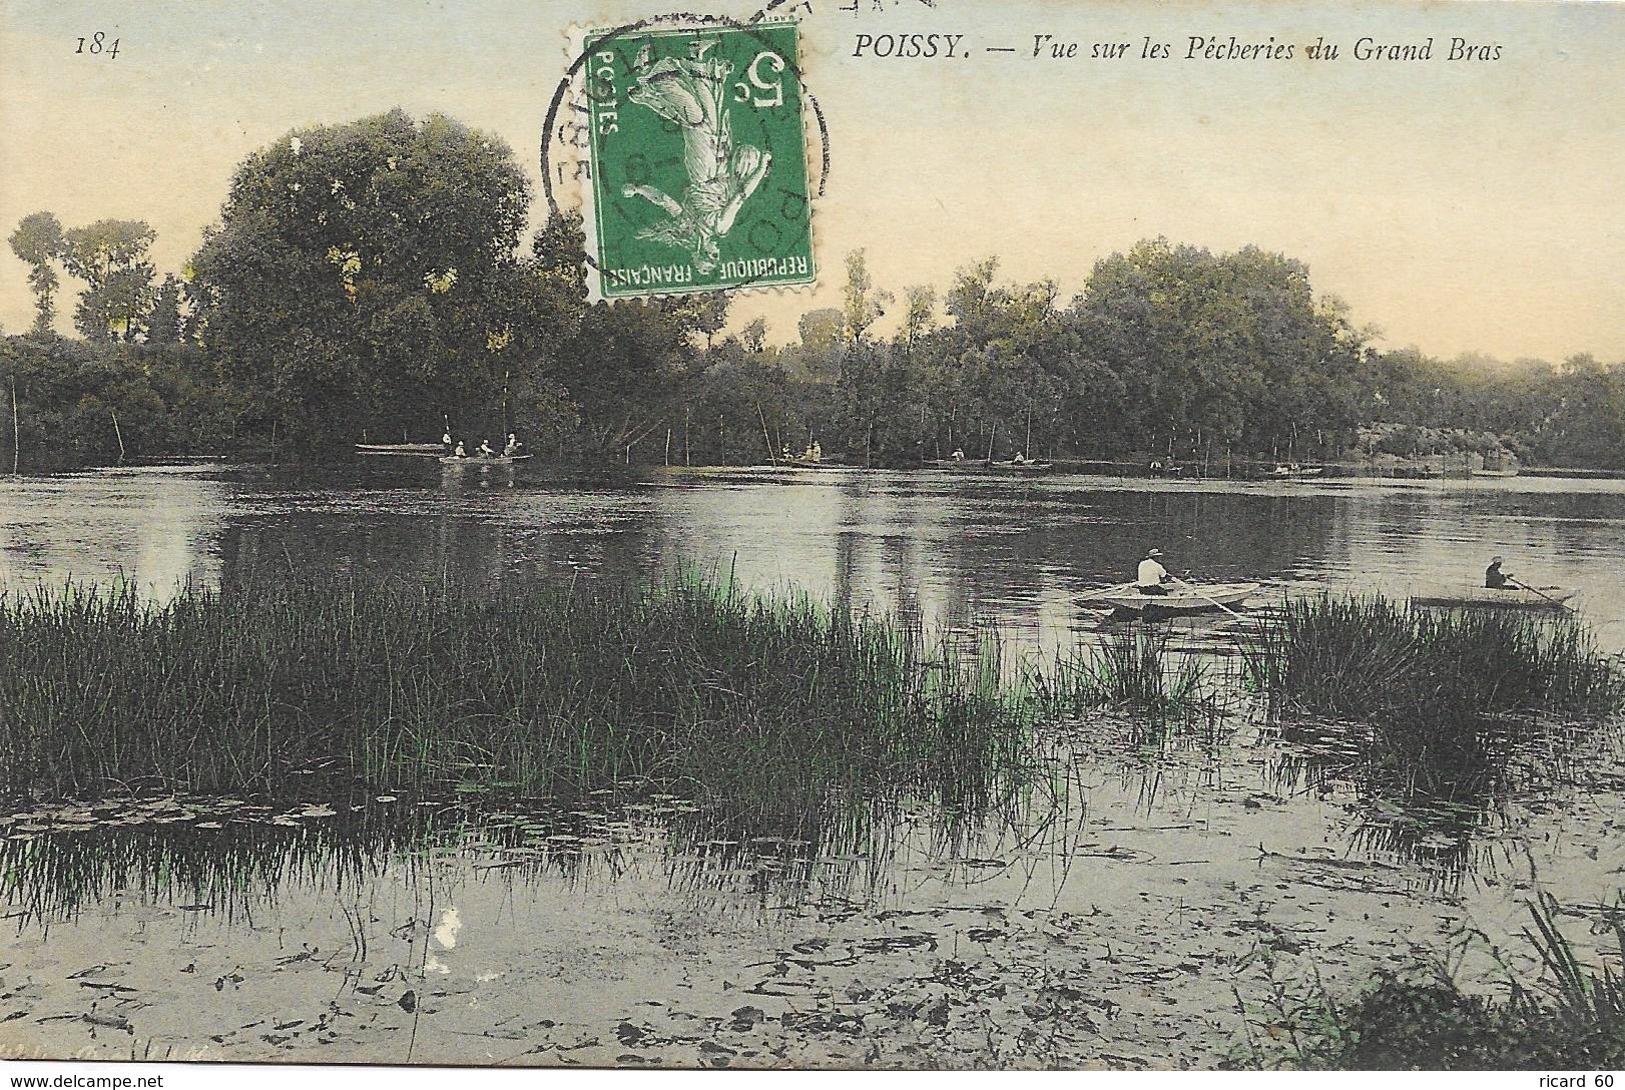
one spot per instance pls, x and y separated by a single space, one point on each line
1292 471
484 460
987 465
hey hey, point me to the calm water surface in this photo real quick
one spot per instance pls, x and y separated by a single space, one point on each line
954 550
1106 920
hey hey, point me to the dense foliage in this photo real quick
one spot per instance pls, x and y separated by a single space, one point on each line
369 281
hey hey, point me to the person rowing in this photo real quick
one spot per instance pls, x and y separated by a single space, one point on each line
511 448
1497 579
485 450
1152 577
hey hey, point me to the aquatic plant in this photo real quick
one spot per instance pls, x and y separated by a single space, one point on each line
1371 658
564 688
1130 669
1569 1016
1432 705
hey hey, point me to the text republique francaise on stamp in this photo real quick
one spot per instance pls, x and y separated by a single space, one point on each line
697 160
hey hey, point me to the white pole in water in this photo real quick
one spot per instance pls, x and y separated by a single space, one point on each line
16 442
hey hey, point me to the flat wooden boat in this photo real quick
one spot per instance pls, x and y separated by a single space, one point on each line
806 463
475 460
982 465
1479 597
1193 598
402 450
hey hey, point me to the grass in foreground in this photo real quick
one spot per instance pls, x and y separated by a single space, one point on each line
1569 1017
421 688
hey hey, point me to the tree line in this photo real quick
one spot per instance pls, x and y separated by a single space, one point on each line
370 281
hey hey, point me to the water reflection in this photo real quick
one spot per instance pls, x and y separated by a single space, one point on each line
953 551
232 857
950 553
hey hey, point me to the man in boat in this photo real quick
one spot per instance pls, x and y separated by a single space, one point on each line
511 448
1496 578
459 452
486 450
445 442
1153 577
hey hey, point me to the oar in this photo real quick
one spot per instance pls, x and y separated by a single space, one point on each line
1205 598
1548 597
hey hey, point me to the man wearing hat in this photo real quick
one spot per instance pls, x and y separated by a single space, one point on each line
1495 577
1153 575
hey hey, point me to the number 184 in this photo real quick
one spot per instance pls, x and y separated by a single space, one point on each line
98 45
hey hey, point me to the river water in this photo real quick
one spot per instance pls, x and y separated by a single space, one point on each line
953 550
1112 921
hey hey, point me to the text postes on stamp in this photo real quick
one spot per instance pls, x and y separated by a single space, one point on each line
699 177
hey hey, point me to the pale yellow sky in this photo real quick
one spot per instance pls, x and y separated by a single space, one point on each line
1459 206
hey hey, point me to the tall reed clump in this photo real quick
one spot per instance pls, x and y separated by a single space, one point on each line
557 690
1437 702
1369 657
1134 670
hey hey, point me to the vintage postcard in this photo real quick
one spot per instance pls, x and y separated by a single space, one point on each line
812 535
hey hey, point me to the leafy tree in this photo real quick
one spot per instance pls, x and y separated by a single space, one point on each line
862 303
365 275
820 330
754 335
626 368
37 241
111 257
1231 348
164 323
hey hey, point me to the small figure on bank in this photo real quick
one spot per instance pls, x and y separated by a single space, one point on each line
1152 577
512 446
1495 577
485 450
459 452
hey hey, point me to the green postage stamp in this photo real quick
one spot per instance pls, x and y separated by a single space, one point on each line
697 161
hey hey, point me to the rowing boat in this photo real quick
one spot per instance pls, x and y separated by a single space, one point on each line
401 450
1179 599
476 460
981 465
804 462
1480 597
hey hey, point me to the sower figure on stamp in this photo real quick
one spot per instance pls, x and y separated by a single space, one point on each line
721 177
